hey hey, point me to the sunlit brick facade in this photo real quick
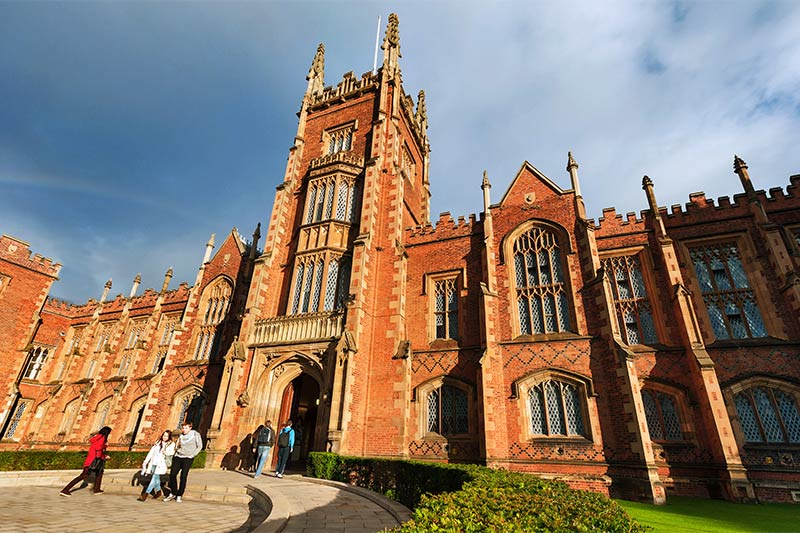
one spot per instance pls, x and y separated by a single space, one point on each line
639 356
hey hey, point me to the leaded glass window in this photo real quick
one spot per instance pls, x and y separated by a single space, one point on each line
158 364
445 308
311 273
556 409
317 285
36 360
540 285
298 288
726 291
340 140
448 412
70 414
192 406
768 415
634 313
16 419
661 413
124 362
330 285
103 338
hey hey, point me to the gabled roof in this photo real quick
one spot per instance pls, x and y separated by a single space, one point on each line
527 168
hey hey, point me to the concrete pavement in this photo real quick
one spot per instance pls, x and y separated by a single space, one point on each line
215 500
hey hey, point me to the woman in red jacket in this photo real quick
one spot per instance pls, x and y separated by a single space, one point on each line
94 463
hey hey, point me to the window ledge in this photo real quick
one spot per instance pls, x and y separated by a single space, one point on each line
114 378
194 362
759 341
560 439
443 344
550 337
772 446
436 437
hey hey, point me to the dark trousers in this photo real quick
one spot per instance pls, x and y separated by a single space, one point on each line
283 458
83 475
182 465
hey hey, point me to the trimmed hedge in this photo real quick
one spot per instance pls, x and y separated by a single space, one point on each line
52 460
471 498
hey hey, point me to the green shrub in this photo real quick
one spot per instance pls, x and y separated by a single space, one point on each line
471 498
52 460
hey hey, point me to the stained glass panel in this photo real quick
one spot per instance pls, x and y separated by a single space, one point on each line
767 415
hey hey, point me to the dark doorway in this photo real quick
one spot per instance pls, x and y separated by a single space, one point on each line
300 403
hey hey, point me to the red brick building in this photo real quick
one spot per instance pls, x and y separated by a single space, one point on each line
637 355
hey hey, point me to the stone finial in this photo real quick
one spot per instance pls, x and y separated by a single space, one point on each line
485 180
392 38
106 288
108 284
571 163
740 168
136 281
254 245
485 186
738 163
421 116
167 277
646 182
209 248
316 74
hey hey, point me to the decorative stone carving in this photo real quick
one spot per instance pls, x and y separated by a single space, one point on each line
243 400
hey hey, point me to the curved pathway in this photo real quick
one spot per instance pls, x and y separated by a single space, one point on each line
214 501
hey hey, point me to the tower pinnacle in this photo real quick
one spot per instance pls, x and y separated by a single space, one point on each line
316 74
391 45
421 116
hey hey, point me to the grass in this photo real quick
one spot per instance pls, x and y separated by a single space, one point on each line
690 514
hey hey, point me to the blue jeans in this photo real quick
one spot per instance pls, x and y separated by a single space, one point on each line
155 484
283 458
263 453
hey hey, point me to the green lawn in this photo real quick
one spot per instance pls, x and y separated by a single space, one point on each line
690 514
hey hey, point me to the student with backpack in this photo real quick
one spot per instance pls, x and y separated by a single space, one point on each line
285 447
262 443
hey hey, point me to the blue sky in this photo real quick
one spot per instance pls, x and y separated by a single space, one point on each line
129 132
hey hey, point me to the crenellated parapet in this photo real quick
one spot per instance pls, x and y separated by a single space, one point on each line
350 87
445 228
18 252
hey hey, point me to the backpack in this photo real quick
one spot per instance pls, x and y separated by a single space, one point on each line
265 437
283 439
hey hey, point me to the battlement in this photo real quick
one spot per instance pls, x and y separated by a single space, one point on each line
349 87
445 228
18 252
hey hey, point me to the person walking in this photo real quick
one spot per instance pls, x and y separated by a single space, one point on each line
156 464
94 463
265 439
190 443
285 447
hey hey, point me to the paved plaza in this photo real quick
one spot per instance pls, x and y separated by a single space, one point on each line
214 501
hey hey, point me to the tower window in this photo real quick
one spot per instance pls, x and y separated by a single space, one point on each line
36 360
340 140
445 308
634 313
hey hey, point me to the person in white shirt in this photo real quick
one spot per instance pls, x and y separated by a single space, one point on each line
190 443
158 459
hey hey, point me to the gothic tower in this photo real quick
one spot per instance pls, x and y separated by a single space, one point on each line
324 320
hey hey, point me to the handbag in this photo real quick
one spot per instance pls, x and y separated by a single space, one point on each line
97 465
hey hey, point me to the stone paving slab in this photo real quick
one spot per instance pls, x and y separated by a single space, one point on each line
293 504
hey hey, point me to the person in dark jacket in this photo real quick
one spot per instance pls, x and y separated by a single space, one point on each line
285 447
263 441
94 463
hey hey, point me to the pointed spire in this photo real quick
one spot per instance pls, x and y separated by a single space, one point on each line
572 168
391 45
740 168
485 186
571 161
254 245
421 116
136 281
316 74
209 248
167 277
106 288
647 186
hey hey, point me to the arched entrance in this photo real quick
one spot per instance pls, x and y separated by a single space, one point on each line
300 404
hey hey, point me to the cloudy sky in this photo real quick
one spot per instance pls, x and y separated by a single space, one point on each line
129 132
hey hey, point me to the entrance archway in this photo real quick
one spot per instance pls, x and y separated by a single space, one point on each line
300 404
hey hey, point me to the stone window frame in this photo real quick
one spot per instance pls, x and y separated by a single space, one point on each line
104 336
338 190
177 412
408 165
420 397
586 394
38 356
577 324
133 415
730 391
76 334
647 269
5 281
682 406
20 413
755 278
134 334
68 420
215 304
100 418
342 130
318 283
430 280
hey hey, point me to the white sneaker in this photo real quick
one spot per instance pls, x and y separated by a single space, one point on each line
169 498
279 475
178 499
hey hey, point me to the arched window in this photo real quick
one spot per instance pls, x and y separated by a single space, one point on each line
542 301
191 408
634 313
447 410
37 357
556 408
768 414
70 414
661 412
101 414
215 305
19 412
